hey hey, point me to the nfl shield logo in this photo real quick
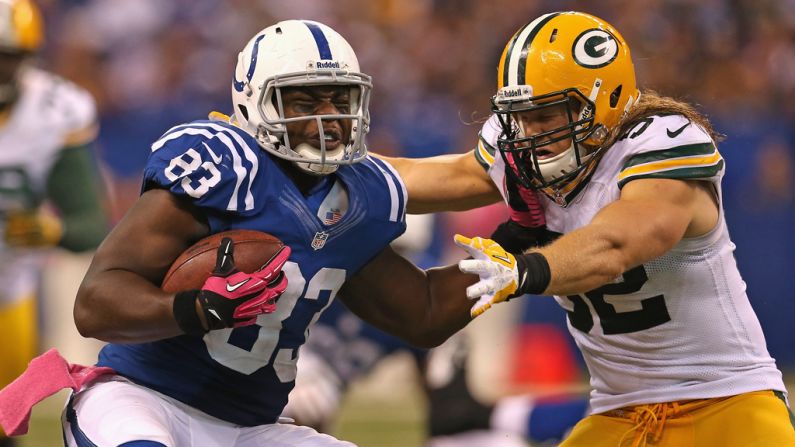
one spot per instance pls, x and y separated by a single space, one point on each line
320 240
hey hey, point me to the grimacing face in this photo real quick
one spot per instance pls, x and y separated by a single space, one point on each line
546 119
318 100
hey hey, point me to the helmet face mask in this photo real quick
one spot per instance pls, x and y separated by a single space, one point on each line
523 153
271 107
573 61
301 54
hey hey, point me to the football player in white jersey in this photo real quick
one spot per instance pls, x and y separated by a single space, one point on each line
49 194
630 184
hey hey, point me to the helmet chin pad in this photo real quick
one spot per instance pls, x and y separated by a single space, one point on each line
554 167
310 152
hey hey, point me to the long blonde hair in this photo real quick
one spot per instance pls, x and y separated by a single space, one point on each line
651 103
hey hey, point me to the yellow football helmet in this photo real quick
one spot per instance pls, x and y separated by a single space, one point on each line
562 58
21 27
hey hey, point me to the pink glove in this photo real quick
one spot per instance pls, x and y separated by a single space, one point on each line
230 298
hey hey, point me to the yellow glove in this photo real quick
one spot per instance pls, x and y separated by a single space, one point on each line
499 275
37 228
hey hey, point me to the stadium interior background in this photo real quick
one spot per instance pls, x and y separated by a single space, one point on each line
154 63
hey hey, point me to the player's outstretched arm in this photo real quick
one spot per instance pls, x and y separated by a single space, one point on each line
649 219
423 307
119 299
454 182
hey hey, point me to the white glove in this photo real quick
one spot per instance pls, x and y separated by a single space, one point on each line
497 269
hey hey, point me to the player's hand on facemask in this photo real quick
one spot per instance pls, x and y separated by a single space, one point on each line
231 298
497 269
32 228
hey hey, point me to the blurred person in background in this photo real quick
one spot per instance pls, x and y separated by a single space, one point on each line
635 246
49 189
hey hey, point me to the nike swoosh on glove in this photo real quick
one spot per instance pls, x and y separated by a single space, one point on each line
231 298
497 269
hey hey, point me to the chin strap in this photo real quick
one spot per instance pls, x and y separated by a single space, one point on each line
306 150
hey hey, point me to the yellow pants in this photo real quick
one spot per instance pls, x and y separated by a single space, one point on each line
18 340
757 419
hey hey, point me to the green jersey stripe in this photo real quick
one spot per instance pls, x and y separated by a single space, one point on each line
686 173
688 150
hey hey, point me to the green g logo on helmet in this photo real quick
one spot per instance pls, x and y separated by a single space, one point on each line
594 48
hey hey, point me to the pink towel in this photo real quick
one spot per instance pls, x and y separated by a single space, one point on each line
46 375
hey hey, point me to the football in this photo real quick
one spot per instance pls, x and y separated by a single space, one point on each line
252 249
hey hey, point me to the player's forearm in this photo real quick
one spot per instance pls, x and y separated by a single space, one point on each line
448 308
618 239
445 183
583 260
428 317
421 307
119 306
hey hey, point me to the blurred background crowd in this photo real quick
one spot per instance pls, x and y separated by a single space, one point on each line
152 64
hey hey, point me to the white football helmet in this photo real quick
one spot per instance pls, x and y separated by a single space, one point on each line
299 53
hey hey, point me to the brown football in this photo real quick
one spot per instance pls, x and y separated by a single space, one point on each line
252 250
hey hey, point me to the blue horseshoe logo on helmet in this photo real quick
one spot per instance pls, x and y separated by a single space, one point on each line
238 85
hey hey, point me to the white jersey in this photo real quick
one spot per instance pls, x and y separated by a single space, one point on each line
677 327
50 114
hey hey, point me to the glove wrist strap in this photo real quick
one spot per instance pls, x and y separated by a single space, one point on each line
534 274
515 238
184 309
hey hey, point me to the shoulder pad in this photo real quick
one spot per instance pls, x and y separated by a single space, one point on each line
63 105
668 146
214 163
486 148
386 175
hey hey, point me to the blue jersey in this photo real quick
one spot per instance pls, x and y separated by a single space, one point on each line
244 375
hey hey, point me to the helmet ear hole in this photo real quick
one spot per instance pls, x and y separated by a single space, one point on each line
614 97
243 111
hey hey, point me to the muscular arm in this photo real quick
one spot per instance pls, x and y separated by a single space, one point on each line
119 299
453 182
649 219
422 307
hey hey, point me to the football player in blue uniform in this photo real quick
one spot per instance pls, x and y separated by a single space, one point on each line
214 366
